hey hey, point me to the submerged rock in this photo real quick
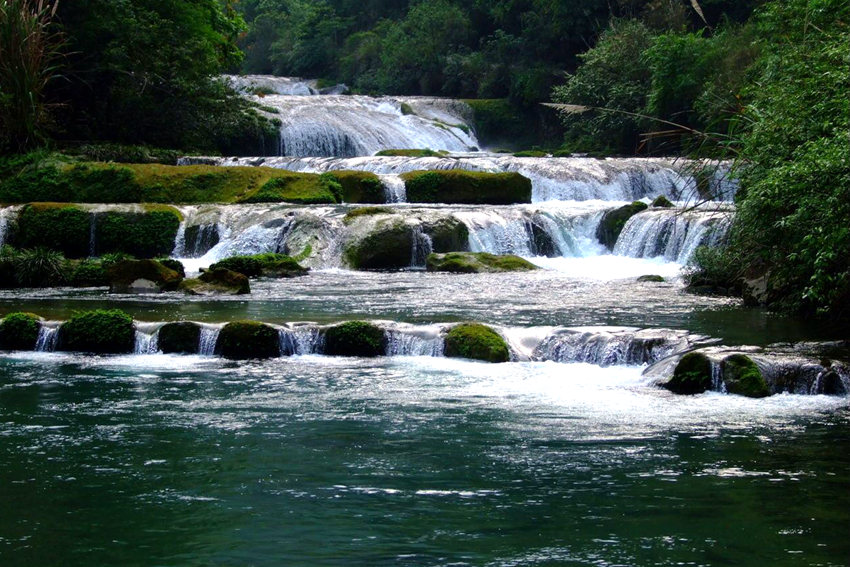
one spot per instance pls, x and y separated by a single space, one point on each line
242 340
355 338
179 338
19 331
219 281
99 332
476 341
142 276
613 221
477 262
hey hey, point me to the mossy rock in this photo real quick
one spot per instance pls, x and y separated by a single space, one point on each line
447 235
742 376
477 262
662 202
467 187
179 338
613 221
301 188
19 331
268 265
355 338
241 340
650 279
531 153
89 273
388 246
412 153
143 234
477 342
99 332
173 264
219 281
360 187
142 276
355 214
692 375
61 227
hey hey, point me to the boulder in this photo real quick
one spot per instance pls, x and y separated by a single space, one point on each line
219 281
179 338
268 265
447 234
692 375
613 221
476 341
467 187
99 332
241 340
355 338
477 262
662 202
141 276
741 376
386 246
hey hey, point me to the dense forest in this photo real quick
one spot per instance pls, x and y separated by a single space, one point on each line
763 83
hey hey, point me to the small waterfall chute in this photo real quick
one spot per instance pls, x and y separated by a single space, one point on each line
301 340
208 339
48 333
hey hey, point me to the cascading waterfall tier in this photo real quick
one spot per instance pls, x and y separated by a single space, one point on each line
552 179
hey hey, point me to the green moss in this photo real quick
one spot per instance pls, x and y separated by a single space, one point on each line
144 235
122 275
477 262
476 341
650 279
60 227
173 264
406 109
388 246
241 340
102 332
360 186
531 153
219 281
355 338
413 153
447 235
692 375
353 214
743 377
179 338
269 265
613 221
302 188
19 331
662 202
467 187
89 273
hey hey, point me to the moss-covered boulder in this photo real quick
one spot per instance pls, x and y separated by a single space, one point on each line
360 187
742 376
652 278
476 341
145 234
662 202
355 338
61 227
692 375
466 187
613 221
447 234
100 332
267 265
241 340
219 281
386 246
141 276
302 188
477 262
19 331
173 264
179 338
89 273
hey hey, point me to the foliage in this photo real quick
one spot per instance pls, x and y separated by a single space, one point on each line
248 339
476 341
269 264
467 187
355 338
64 228
101 331
29 53
89 273
40 267
144 235
19 331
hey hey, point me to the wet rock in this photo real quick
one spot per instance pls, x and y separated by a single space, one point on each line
355 338
242 340
477 342
692 375
742 376
387 245
141 276
612 223
179 338
219 281
477 262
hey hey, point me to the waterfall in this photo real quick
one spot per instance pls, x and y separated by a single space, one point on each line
671 233
92 234
6 215
394 188
179 250
301 339
409 340
146 343
47 335
267 84
552 179
208 339
421 247
613 346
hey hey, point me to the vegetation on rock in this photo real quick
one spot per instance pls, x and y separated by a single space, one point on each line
19 331
267 265
217 282
741 376
476 341
179 338
142 276
242 340
613 221
692 375
466 187
360 186
477 262
355 338
412 153
386 247
100 332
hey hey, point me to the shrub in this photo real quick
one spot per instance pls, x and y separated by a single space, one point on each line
40 267
242 340
101 332
476 341
467 187
144 235
355 338
89 273
19 331
64 228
